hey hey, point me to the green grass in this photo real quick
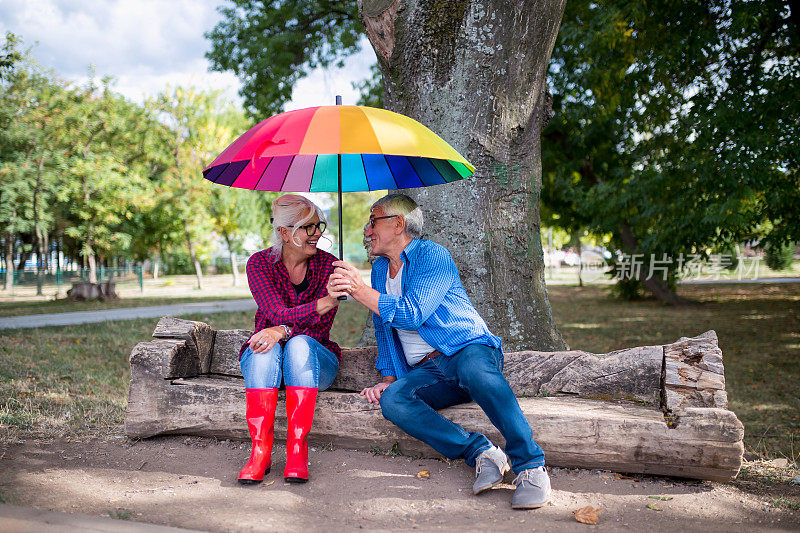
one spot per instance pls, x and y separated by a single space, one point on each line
21 308
73 380
758 326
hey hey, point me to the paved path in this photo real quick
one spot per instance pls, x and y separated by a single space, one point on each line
246 304
130 313
757 280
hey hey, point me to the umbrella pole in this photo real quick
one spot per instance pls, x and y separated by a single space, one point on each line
339 190
341 243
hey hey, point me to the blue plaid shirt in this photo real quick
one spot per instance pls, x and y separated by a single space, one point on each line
434 303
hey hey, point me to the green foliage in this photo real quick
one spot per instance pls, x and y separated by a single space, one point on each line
178 262
9 54
371 89
779 256
270 46
672 120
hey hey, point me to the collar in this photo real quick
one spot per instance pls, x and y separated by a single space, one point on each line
411 250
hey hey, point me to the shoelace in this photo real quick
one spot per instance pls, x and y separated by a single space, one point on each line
525 475
480 463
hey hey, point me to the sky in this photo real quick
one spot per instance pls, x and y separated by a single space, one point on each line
149 44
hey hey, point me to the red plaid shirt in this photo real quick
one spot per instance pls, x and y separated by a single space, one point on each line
278 302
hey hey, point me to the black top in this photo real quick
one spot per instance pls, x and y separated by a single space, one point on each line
303 285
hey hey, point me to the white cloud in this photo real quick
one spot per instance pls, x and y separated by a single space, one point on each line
149 44
320 87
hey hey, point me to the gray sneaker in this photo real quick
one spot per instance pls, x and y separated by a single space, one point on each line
490 466
533 488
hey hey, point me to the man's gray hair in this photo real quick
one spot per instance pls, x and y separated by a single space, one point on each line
400 204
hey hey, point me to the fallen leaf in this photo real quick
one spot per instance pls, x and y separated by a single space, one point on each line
662 498
605 476
424 474
623 476
653 507
270 483
587 515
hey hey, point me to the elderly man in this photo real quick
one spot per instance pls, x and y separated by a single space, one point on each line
434 351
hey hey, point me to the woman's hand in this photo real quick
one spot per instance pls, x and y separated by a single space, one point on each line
373 394
264 340
336 288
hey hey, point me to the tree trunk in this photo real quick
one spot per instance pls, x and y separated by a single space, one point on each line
232 256
155 267
37 228
577 238
8 282
475 74
657 287
197 269
92 268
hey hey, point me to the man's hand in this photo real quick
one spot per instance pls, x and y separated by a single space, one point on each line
347 277
373 394
262 341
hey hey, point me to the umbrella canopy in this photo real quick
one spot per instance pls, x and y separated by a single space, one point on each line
300 151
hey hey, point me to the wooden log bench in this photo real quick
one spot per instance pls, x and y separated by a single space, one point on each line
650 409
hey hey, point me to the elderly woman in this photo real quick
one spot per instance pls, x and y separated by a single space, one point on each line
292 341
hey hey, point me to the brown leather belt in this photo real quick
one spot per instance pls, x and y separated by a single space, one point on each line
433 355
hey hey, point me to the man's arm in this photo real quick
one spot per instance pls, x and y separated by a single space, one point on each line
432 280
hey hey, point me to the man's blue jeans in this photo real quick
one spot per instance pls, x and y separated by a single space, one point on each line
474 373
301 362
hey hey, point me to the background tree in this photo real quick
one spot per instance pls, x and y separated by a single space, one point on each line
202 125
270 46
107 176
31 157
673 131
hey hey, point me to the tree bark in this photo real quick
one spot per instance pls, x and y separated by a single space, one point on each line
197 269
475 74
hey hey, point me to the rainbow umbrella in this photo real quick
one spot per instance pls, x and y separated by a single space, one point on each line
337 148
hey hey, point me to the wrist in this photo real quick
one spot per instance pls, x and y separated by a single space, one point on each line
285 330
358 292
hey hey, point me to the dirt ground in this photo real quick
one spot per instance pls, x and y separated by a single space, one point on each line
191 483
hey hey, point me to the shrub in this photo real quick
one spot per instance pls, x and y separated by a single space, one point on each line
779 257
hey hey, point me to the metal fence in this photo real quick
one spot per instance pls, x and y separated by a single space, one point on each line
30 277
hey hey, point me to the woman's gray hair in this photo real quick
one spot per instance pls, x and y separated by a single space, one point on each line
291 211
400 204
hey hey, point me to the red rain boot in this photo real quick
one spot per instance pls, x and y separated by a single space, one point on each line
300 403
260 414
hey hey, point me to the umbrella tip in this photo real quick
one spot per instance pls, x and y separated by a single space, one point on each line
338 100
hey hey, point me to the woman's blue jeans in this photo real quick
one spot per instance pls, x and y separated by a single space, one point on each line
474 373
301 362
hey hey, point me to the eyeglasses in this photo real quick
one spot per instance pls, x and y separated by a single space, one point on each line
372 220
311 229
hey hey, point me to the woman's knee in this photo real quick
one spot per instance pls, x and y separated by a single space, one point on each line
300 366
297 353
262 370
